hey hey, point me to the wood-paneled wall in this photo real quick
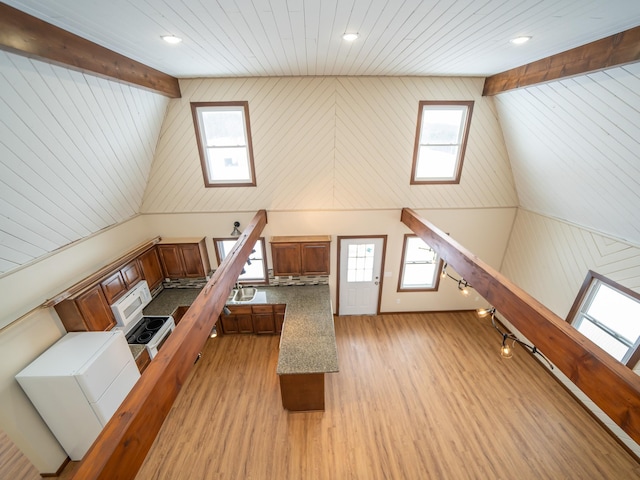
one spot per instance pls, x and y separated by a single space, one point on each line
574 147
75 153
330 143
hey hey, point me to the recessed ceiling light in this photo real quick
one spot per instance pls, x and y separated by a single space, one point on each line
349 37
171 39
520 40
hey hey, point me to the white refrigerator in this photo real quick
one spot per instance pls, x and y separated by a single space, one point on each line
78 384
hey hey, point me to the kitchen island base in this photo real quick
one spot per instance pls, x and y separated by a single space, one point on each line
302 392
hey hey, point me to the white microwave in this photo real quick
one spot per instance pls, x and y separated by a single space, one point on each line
128 309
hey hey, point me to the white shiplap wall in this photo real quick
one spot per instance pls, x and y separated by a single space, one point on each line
75 153
574 147
550 259
330 143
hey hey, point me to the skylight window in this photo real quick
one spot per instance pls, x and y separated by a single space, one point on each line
224 143
441 139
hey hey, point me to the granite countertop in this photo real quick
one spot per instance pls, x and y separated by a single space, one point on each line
308 339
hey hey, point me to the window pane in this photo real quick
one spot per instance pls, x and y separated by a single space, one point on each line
442 125
418 251
617 311
224 127
230 164
254 268
360 263
418 275
437 162
601 338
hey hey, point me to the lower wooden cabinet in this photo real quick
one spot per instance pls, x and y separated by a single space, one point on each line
258 319
143 360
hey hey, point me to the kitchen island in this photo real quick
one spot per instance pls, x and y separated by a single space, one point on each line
307 344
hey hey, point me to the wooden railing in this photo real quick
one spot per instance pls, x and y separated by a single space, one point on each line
120 449
612 386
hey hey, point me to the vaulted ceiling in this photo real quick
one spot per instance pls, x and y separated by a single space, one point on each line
236 38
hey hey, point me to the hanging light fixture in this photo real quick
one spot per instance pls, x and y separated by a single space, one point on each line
236 232
214 332
506 350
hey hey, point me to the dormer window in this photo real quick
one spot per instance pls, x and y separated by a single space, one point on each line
224 143
441 140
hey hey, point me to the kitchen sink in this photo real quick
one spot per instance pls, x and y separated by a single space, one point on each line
245 294
232 294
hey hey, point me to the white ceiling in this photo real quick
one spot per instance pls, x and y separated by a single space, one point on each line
303 37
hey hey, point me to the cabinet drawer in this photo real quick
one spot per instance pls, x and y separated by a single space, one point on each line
280 308
243 309
262 308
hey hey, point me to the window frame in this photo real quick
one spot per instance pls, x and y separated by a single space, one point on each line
633 354
462 146
247 281
195 106
438 272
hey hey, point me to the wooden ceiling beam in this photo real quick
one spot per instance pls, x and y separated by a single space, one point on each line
618 49
120 449
29 36
611 385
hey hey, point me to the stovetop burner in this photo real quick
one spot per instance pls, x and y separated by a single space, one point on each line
145 330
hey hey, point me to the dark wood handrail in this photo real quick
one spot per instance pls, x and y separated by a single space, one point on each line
612 386
120 449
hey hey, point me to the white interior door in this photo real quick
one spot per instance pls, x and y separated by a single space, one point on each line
360 266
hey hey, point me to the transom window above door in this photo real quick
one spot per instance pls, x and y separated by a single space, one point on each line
224 143
441 140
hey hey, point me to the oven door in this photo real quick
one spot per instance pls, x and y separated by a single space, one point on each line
154 345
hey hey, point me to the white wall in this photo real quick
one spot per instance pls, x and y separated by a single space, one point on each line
483 231
550 259
32 332
330 143
75 153
574 147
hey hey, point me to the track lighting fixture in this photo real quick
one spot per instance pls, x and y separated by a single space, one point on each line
506 350
236 232
463 285
214 331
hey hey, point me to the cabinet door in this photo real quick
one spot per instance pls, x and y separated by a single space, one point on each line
151 268
245 322
95 310
171 260
229 324
286 258
263 323
131 273
192 260
315 258
113 287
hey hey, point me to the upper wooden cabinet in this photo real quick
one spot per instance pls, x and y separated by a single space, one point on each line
184 257
88 311
309 255
131 273
150 268
113 287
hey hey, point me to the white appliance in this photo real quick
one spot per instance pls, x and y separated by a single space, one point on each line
150 331
78 384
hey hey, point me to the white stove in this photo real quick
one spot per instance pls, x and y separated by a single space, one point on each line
151 331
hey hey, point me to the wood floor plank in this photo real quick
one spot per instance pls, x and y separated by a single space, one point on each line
418 396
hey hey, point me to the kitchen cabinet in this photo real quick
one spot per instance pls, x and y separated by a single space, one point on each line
278 316
87 311
131 273
240 319
113 287
263 320
143 360
308 255
150 267
184 258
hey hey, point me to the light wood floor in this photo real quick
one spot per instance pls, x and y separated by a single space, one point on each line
418 396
